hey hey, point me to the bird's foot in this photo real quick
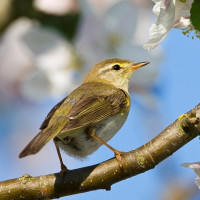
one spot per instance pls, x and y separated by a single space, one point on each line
63 170
119 158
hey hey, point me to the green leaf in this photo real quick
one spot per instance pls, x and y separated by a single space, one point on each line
195 14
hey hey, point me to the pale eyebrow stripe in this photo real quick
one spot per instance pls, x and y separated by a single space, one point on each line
104 69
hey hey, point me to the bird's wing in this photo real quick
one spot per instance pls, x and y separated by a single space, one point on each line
91 109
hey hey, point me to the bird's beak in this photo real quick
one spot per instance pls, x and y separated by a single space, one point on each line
138 65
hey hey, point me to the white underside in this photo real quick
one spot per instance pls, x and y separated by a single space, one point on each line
84 145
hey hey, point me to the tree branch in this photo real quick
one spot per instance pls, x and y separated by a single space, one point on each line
103 175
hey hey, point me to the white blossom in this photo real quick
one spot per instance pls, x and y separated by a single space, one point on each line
196 167
56 7
40 61
170 14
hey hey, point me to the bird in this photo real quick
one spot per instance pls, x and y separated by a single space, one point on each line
90 115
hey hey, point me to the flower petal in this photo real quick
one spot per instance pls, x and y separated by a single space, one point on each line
163 25
195 166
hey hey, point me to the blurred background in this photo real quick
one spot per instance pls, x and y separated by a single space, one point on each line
46 48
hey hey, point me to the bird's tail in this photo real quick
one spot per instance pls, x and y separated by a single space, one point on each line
43 137
35 145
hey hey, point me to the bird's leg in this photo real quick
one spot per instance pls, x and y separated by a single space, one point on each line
63 167
117 153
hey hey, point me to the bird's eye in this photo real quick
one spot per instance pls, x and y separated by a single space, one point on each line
116 67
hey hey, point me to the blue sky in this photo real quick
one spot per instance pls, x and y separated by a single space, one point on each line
176 90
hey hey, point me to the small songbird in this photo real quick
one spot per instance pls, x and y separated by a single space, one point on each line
91 115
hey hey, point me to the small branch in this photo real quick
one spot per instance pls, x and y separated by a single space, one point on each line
103 175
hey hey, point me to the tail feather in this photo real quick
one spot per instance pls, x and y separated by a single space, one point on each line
35 145
44 136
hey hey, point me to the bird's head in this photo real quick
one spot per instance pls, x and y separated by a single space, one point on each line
113 71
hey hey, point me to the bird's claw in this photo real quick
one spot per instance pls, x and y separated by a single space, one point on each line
119 158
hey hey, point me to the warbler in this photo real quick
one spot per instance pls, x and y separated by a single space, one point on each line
91 115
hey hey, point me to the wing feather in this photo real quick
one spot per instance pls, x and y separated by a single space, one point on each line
92 109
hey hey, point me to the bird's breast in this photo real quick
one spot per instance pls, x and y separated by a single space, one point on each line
78 143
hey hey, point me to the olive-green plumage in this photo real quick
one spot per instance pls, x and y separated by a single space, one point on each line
102 102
